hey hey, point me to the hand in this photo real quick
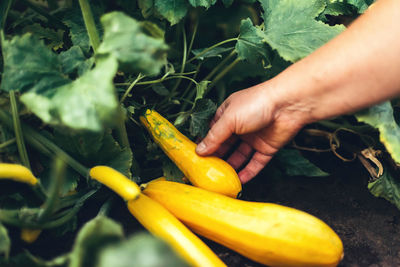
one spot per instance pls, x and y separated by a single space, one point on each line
255 119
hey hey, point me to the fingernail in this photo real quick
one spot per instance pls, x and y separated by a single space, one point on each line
201 147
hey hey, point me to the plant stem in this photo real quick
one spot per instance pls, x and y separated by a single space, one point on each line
183 62
7 143
212 47
90 24
127 92
193 35
222 74
23 154
333 125
222 63
3 21
44 145
58 176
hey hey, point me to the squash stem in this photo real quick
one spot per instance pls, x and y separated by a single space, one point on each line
90 24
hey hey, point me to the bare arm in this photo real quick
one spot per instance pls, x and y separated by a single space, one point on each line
358 68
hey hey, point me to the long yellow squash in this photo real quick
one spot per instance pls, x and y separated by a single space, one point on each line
17 173
116 181
161 223
264 232
210 173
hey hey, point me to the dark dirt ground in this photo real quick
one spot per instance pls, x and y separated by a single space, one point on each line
368 226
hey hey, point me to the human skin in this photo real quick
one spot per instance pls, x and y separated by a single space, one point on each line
357 69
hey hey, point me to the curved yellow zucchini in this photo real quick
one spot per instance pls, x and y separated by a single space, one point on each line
17 173
266 233
210 173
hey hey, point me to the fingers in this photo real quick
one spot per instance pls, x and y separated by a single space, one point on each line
216 136
226 146
255 165
240 155
221 130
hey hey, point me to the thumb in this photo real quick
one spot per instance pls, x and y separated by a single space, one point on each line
218 134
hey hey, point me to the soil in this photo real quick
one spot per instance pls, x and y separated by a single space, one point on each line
368 226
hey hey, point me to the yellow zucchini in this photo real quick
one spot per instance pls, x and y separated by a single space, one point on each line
267 233
116 181
17 173
210 173
161 223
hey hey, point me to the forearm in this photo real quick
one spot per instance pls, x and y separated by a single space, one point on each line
358 68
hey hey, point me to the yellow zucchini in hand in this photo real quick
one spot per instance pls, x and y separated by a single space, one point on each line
161 223
210 173
267 233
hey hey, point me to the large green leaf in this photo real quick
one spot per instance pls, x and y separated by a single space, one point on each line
5 242
30 66
84 104
200 116
135 51
93 149
251 45
74 61
381 117
291 28
387 187
141 250
361 5
293 163
93 236
4 8
172 10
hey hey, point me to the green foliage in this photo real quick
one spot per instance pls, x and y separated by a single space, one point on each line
142 249
97 233
291 27
293 163
5 242
388 187
180 57
84 104
134 50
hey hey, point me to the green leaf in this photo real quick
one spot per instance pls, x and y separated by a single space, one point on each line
30 65
200 116
93 236
251 45
360 5
93 149
5 242
160 89
387 187
170 171
215 52
203 3
144 250
77 30
73 60
295 164
147 7
291 28
84 104
381 117
201 89
54 38
134 50
335 9
172 10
